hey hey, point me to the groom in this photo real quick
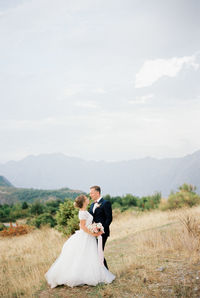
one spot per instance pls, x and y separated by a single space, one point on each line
102 212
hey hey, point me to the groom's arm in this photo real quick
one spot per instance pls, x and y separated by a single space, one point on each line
108 213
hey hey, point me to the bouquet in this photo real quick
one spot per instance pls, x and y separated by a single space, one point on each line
96 227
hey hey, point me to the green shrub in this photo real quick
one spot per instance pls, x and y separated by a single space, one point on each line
185 197
129 200
18 213
116 205
5 212
42 219
67 218
52 206
187 187
149 202
37 208
24 205
72 225
2 227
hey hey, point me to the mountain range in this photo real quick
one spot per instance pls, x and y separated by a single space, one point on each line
138 176
4 182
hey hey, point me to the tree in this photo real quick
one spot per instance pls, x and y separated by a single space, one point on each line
129 200
187 187
24 205
42 219
67 218
37 208
185 197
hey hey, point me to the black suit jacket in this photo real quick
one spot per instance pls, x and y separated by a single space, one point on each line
102 214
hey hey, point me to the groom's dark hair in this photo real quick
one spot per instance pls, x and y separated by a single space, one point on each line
97 188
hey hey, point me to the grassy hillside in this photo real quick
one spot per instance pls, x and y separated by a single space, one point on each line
11 195
152 254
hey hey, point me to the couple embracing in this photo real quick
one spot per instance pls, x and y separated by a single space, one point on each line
80 261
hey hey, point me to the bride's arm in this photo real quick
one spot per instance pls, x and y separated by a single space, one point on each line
84 228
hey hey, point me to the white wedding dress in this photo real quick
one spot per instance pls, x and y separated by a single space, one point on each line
79 262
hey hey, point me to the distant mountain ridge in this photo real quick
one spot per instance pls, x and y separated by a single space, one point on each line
5 182
138 176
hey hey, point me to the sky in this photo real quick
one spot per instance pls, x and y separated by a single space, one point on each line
99 79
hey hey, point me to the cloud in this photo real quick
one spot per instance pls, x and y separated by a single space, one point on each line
99 91
153 70
88 104
141 99
30 125
70 64
78 89
70 91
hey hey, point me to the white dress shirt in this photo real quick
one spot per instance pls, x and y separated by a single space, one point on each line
95 204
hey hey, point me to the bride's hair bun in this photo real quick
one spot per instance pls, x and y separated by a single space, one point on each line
79 201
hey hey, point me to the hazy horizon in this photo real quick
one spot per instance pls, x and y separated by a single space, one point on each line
141 176
78 157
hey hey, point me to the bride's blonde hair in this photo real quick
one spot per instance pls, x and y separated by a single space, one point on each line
79 201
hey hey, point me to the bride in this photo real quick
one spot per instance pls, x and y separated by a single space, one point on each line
79 262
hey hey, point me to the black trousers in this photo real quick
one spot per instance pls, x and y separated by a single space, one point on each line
104 239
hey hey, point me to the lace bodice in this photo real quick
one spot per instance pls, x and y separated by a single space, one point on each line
87 216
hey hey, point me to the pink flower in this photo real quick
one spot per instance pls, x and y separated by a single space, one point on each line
96 227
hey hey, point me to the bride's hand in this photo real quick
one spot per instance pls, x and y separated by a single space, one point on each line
98 234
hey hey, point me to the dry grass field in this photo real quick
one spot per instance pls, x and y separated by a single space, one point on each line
152 254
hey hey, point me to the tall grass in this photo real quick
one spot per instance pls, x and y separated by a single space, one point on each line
138 240
25 259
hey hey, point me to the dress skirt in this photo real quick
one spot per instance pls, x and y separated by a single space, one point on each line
78 263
